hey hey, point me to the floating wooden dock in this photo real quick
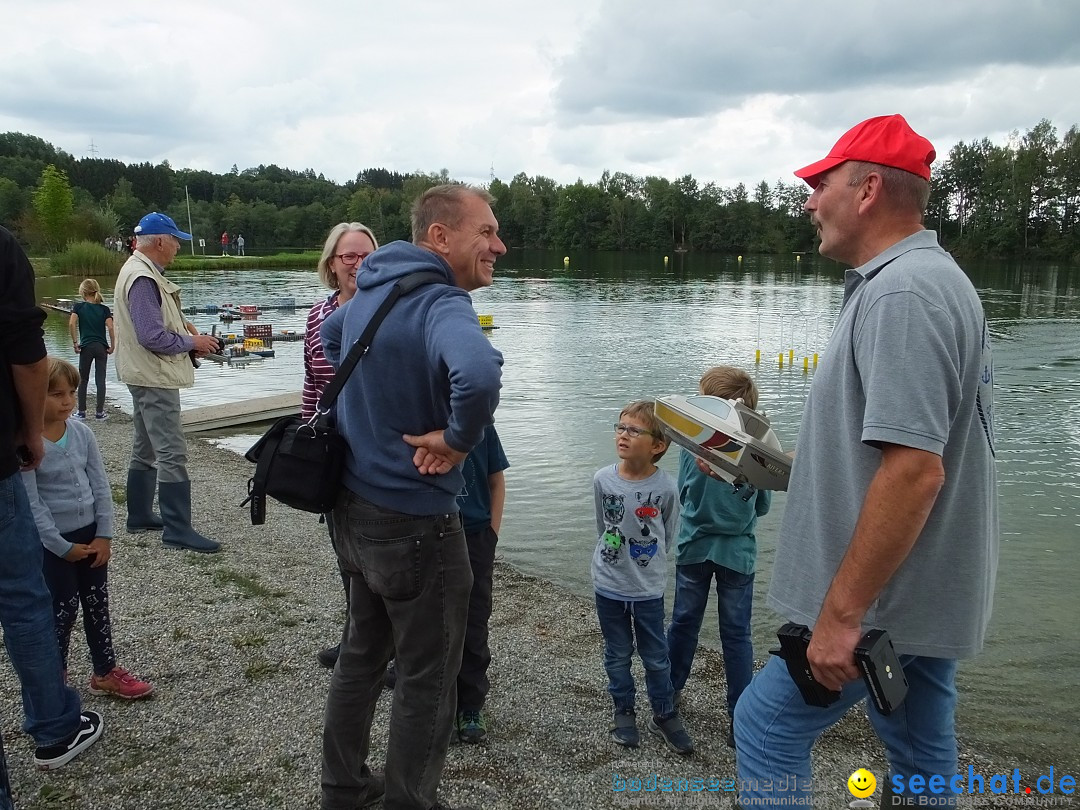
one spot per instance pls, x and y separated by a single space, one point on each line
231 414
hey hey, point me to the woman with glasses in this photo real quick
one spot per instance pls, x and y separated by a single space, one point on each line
347 245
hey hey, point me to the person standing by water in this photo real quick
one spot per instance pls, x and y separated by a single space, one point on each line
154 358
891 519
224 243
54 718
92 319
410 412
73 510
346 246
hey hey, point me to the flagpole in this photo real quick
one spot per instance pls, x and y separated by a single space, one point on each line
188 198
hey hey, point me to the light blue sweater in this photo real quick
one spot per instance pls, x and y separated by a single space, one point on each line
69 490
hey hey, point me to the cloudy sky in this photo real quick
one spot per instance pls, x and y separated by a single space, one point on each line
726 91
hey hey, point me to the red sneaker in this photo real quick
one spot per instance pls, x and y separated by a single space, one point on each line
120 683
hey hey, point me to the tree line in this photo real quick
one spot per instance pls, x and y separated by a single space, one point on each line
1020 198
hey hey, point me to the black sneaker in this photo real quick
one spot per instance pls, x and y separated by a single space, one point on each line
623 728
673 733
53 756
328 657
471 726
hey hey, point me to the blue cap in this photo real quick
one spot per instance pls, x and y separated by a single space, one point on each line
155 223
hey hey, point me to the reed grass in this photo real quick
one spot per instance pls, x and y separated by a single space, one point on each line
84 259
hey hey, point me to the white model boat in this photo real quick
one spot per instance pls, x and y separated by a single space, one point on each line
737 442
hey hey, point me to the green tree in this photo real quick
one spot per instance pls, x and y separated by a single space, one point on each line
54 204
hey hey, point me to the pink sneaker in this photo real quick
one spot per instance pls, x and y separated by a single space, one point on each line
120 683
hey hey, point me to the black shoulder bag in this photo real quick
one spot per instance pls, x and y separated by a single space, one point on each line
299 462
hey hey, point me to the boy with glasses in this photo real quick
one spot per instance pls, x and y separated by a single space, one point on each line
636 511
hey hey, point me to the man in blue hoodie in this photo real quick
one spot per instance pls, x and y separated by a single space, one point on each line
411 411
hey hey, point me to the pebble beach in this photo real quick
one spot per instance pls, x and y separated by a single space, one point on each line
229 641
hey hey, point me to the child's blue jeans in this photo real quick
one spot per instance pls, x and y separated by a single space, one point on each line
734 602
620 622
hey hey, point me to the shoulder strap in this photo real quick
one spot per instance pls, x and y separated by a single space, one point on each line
403 286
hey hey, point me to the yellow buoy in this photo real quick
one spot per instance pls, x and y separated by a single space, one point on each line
781 358
757 356
566 261
815 359
791 355
805 364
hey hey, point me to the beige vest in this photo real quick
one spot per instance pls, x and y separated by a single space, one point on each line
134 364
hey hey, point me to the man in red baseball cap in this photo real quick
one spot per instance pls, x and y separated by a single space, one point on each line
891 515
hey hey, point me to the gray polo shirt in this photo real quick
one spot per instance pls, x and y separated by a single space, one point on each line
909 363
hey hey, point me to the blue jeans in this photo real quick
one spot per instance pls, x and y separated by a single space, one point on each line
734 602
775 729
410 582
26 613
620 622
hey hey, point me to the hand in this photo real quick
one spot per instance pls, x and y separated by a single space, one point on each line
78 348
831 653
79 551
35 451
705 468
433 455
205 344
108 350
102 546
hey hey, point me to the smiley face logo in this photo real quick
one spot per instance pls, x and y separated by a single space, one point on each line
861 783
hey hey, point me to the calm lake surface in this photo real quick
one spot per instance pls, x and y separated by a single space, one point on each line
582 340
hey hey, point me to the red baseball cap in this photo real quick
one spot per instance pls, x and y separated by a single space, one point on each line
887 139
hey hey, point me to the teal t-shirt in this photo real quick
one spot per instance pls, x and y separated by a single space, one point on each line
717 522
92 319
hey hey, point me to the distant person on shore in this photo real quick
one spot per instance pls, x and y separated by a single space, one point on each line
891 519
239 244
412 410
72 504
93 320
347 244
54 719
637 508
152 358
716 542
224 243
481 503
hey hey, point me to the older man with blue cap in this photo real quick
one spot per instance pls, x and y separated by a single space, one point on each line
154 357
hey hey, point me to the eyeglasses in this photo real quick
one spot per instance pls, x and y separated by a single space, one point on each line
632 431
351 258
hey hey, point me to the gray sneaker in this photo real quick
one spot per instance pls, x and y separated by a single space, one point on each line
623 728
673 732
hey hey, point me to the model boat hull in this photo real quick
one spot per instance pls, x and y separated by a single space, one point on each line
738 443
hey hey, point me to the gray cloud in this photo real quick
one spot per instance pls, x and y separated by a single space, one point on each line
689 58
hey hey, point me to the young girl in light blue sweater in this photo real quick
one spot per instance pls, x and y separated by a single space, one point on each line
72 506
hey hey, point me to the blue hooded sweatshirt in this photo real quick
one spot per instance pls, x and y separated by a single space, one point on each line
430 367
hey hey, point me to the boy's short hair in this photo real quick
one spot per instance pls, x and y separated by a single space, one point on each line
730 383
644 410
61 371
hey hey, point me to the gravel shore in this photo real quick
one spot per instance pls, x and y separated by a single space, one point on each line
229 640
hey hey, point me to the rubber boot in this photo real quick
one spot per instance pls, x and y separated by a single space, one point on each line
140 502
174 498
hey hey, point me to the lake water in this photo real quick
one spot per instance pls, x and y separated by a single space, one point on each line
582 340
